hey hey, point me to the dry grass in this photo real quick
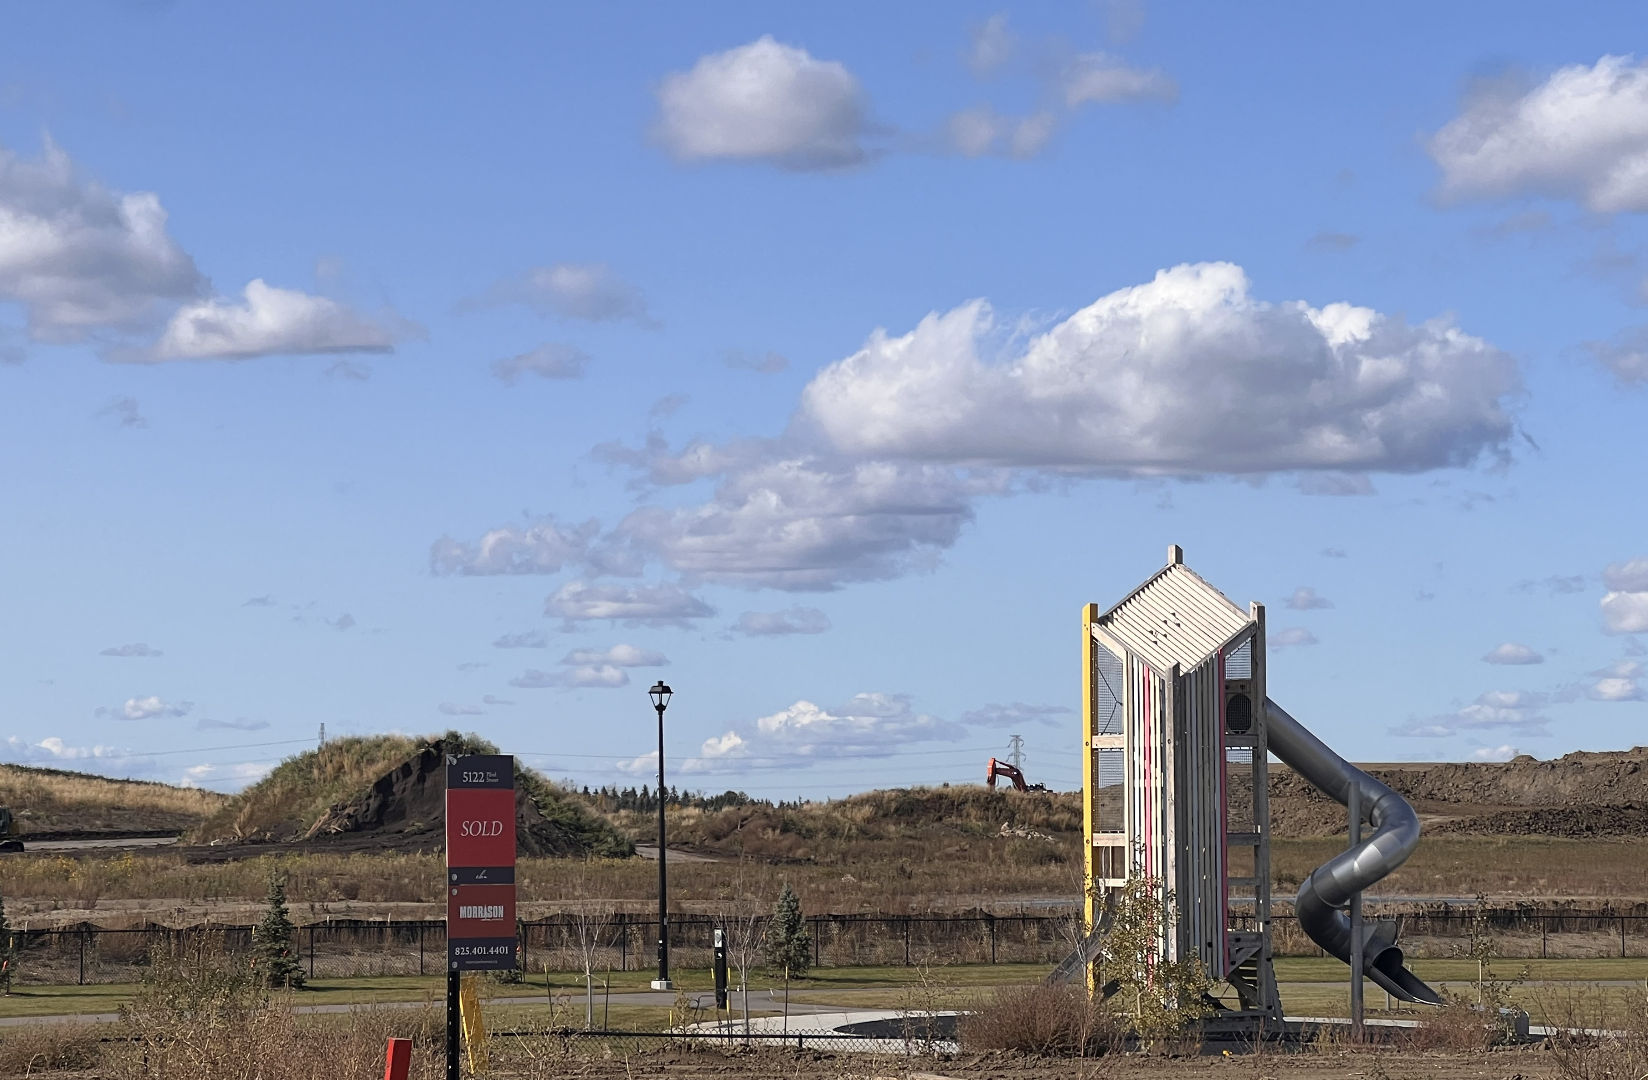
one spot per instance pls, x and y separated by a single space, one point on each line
303 787
1496 866
27 1051
1049 1021
839 830
52 800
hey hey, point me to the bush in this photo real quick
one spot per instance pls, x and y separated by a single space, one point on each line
1054 1021
28 1051
207 1013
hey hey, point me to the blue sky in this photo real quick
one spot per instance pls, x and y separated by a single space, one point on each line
397 367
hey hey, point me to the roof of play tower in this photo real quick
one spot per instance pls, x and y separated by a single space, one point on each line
1175 617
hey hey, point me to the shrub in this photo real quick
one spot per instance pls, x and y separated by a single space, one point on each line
1054 1021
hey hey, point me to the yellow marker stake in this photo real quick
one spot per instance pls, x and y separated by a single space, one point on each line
474 1029
1090 782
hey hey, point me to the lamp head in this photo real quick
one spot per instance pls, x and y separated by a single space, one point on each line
660 695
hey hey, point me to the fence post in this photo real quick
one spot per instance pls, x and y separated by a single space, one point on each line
990 920
311 950
398 1059
1544 925
420 948
1622 937
815 941
906 941
81 981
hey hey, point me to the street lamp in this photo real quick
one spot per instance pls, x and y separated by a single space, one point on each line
660 695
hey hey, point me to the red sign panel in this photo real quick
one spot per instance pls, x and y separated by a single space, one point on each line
480 826
480 863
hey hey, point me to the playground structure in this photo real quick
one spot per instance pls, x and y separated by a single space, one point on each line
1178 734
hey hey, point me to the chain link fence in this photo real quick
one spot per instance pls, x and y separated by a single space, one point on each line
624 942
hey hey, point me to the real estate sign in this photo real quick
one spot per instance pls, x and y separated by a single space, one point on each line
480 863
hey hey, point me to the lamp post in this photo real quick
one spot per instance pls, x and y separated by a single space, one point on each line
660 695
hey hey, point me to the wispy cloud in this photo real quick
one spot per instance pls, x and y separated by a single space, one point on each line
136 648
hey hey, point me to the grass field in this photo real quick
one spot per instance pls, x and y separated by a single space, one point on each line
1308 986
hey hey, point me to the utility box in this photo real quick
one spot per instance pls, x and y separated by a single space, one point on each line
1175 777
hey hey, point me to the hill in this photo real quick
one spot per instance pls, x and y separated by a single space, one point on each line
55 801
387 793
1579 795
904 821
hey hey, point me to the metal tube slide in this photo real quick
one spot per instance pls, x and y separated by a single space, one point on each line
1326 894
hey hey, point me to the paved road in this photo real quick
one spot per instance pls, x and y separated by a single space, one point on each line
83 845
650 851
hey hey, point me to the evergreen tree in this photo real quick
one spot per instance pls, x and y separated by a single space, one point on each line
8 952
274 941
788 947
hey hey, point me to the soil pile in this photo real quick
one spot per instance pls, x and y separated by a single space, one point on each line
396 803
1581 795
405 810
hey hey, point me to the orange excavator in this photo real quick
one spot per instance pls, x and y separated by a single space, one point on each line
1013 773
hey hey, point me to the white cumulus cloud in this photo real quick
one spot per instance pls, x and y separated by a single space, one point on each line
1305 598
617 656
872 723
765 101
79 257
1512 652
1619 681
583 676
1286 639
1625 606
1582 134
1185 374
534 547
146 708
269 320
1518 711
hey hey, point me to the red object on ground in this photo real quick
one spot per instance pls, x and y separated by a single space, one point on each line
399 1061
1002 768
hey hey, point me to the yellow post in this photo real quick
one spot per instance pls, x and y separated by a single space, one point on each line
474 1030
1090 790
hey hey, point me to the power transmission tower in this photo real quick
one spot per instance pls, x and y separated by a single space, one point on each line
1017 755
323 734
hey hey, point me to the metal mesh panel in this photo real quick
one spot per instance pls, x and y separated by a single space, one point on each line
1107 682
1239 661
1110 769
1239 788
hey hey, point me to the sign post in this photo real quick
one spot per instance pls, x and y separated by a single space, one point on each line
480 877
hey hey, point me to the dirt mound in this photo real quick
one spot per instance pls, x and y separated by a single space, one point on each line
389 794
1579 795
405 809
56 802
1571 822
